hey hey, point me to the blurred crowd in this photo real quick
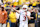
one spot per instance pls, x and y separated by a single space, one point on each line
34 3
19 13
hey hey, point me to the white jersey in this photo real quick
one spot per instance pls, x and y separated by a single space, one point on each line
28 13
22 14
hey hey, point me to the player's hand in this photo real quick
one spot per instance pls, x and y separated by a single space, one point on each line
29 18
32 17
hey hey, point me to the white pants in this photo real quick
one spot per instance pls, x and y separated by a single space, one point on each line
23 24
4 25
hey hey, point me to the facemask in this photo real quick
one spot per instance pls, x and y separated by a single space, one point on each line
25 10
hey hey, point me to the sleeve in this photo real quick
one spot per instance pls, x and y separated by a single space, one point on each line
28 13
21 11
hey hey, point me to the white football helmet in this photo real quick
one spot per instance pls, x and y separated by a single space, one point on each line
25 6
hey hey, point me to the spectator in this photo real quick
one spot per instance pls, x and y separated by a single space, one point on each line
3 17
36 11
32 21
12 18
34 4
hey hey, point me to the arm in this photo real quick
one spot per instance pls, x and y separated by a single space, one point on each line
29 17
16 10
